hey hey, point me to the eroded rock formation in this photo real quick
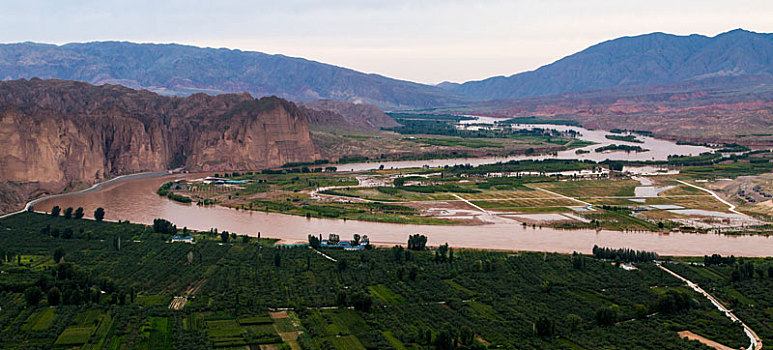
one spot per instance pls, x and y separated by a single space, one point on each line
55 134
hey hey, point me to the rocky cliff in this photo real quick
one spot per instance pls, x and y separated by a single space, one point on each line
55 134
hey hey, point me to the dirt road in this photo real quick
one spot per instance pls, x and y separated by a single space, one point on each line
755 341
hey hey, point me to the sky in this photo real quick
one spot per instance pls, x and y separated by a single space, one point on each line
427 41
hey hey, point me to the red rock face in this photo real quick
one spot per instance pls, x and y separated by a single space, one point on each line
57 133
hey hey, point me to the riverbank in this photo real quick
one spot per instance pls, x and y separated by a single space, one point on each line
137 201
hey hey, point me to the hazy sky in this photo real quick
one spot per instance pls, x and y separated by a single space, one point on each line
426 41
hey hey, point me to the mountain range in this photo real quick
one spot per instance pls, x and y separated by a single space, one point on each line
173 69
58 134
649 59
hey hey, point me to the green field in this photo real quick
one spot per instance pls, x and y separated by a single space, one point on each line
383 298
40 320
74 336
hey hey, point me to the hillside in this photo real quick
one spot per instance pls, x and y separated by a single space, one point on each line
56 134
334 114
655 58
713 110
173 69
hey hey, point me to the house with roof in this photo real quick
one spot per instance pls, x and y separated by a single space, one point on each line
182 239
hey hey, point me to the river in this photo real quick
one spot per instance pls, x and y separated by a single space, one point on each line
658 150
134 199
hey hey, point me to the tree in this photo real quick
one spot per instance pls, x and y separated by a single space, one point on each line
32 295
314 241
574 322
356 239
55 211
361 301
413 272
672 301
445 339
578 260
606 316
78 213
58 254
54 296
616 166
735 276
164 226
341 265
400 181
341 298
99 214
224 236
544 327
68 213
441 254
417 242
277 259
466 335
640 310
399 253
67 233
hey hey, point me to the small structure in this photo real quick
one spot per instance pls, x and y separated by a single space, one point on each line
334 241
181 239
235 182
628 267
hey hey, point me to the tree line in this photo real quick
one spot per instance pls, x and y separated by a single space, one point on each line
69 213
623 254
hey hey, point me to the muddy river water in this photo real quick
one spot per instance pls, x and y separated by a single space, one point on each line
134 199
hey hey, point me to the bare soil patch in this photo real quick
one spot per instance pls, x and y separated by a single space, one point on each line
708 342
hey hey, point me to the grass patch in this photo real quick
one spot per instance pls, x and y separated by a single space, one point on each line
386 295
460 142
39 320
74 336
348 342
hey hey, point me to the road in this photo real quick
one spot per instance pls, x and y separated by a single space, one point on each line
754 339
96 187
715 195
470 203
563 196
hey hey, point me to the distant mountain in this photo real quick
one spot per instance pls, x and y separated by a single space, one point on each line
326 114
182 70
727 109
649 59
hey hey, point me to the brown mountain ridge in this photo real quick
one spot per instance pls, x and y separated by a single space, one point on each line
56 134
